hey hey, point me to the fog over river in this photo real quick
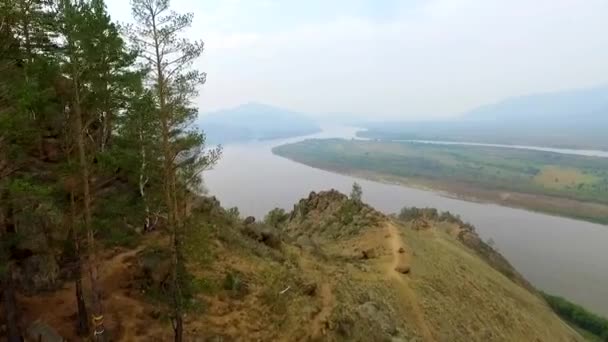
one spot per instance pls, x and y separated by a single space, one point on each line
558 255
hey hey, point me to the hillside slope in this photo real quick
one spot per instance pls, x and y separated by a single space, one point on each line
332 269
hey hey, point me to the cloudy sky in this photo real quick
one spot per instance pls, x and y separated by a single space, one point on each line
392 59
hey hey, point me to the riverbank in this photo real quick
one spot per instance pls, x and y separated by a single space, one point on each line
568 186
585 211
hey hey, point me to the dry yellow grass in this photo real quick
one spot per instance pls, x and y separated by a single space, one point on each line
556 177
325 288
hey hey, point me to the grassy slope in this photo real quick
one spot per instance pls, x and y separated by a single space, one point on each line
561 184
250 291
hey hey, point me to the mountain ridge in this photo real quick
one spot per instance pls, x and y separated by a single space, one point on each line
565 119
255 121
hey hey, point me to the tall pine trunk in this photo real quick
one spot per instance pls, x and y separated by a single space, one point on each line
96 293
169 191
82 325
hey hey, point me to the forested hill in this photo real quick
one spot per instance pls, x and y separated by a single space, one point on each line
96 145
572 118
255 121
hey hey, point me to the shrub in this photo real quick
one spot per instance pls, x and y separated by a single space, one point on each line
356 192
276 217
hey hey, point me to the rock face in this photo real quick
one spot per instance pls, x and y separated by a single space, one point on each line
249 220
330 214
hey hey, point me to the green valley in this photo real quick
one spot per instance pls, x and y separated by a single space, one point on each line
567 185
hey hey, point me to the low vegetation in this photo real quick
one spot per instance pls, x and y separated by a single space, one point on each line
579 316
568 185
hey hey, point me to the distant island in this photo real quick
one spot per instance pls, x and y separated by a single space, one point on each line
255 121
566 185
568 119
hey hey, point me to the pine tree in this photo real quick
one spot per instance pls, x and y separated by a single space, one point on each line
169 58
109 72
24 94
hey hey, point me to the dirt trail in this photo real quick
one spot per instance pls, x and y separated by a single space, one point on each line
327 306
121 310
402 260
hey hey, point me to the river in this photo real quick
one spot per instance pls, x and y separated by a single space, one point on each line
585 153
561 256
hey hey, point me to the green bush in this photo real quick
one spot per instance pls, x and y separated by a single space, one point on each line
276 217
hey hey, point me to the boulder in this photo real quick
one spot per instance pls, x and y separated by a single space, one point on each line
249 220
403 269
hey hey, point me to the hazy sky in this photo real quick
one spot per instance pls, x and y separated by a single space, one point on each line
406 59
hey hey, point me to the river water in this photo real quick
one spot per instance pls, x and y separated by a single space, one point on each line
558 255
586 153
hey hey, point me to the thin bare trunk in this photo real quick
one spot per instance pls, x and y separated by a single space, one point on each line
143 179
97 308
82 326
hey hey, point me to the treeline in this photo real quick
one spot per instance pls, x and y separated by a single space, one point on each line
579 316
95 133
412 213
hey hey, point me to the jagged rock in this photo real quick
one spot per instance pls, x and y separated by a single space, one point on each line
39 331
330 214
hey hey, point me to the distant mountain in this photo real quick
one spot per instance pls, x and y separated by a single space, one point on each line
255 121
573 118
561 107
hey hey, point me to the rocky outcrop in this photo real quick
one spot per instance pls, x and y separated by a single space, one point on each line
330 214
